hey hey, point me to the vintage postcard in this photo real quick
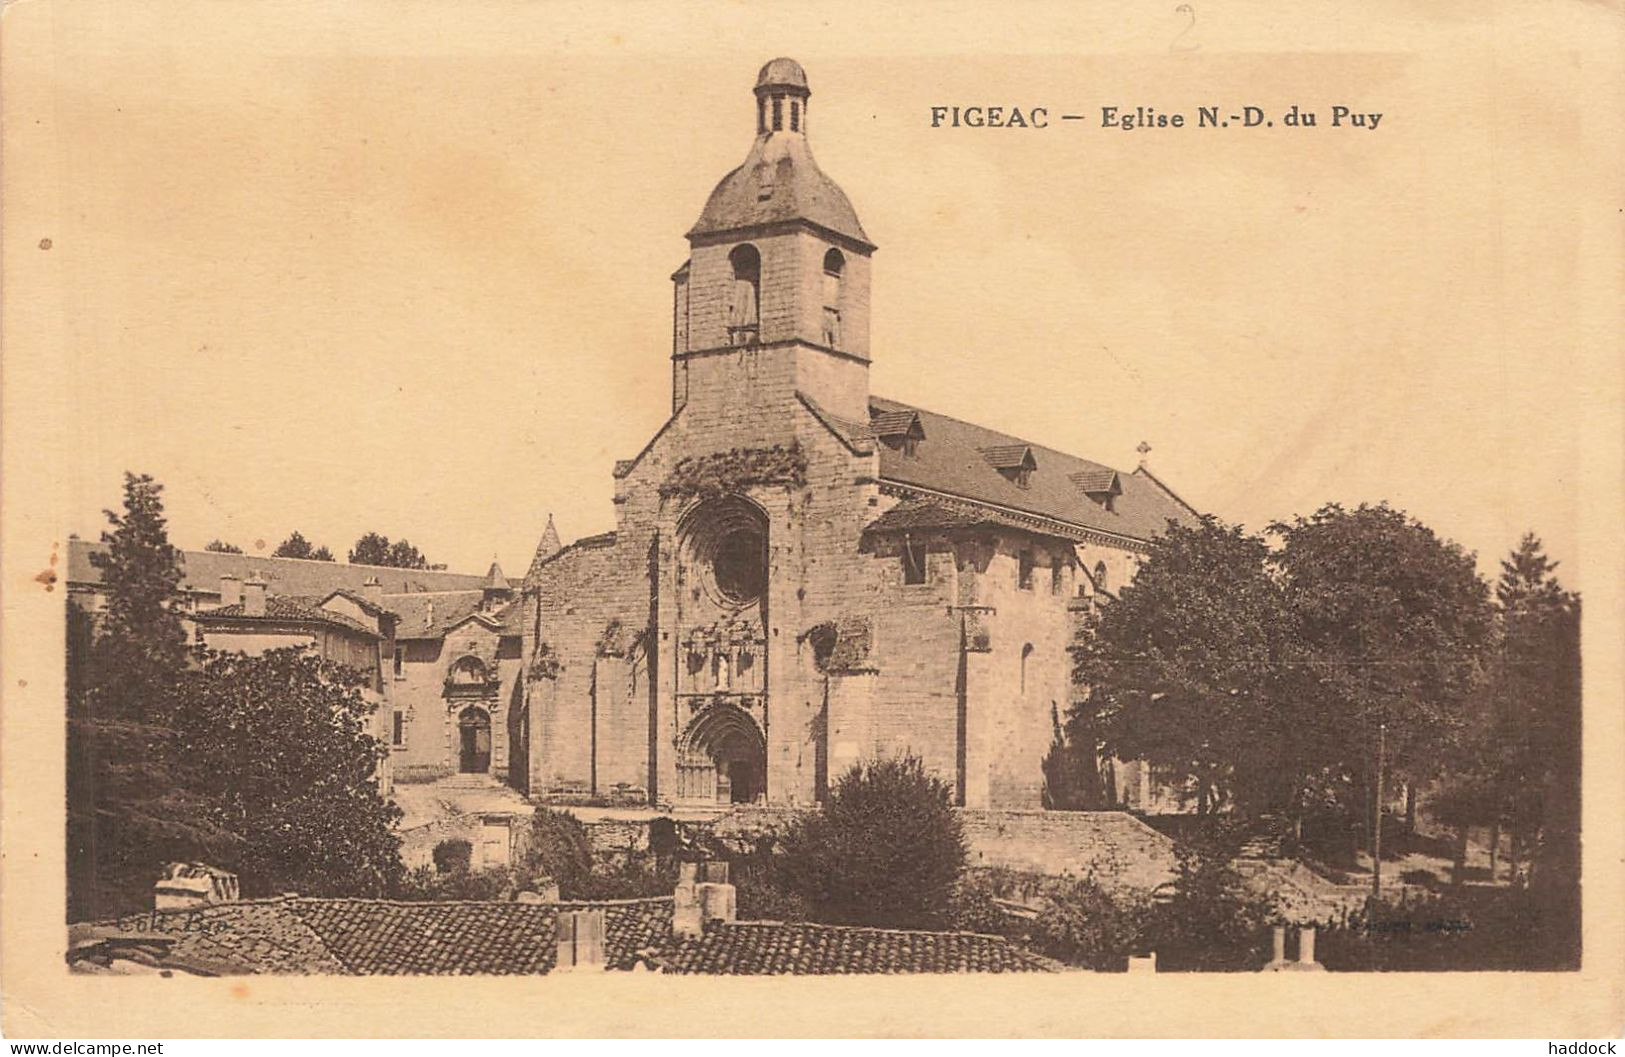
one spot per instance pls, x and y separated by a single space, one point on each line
617 512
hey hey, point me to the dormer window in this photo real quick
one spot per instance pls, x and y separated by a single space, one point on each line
1014 462
1101 486
898 430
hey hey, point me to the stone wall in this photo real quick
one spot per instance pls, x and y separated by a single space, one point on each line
1111 844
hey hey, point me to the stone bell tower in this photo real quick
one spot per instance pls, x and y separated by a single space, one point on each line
778 266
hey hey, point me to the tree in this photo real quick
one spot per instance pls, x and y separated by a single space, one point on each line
1183 670
296 546
374 549
886 850
1072 780
1394 624
219 546
1519 770
129 810
141 644
279 746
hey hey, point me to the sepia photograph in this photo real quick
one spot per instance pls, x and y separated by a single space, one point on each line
540 492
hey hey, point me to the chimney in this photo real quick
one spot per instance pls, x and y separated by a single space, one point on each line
581 940
254 596
1277 960
1306 950
696 903
189 884
231 590
372 590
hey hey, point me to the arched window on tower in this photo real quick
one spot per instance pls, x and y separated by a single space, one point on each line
834 265
1026 655
1100 576
744 319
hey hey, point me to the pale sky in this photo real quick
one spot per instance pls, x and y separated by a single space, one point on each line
404 269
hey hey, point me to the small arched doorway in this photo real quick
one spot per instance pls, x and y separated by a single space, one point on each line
723 758
474 740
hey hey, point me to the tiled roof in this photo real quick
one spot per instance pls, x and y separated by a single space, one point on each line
428 614
1096 482
369 607
896 423
779 948
778 183
370 936
858 436
942 516
257 936
293 935
950 461
281 609
375 936
585 543
513 619
201 572
1007 456
631 927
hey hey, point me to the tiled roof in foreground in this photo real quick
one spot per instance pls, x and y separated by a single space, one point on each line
293 935
290 935
803 949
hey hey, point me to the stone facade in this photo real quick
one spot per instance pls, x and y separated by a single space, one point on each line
454 678
804 576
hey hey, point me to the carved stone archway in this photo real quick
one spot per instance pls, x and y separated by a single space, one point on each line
722 758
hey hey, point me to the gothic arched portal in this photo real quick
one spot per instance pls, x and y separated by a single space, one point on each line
722 758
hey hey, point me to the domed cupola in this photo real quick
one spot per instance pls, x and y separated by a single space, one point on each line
780 182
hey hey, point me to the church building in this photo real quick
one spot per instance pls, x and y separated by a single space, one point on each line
805 575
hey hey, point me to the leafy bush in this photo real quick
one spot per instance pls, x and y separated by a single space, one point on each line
557 846
760 899
1086 923
973 907
1467 930
1212 922
453 856
634 875
426 884
886 850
